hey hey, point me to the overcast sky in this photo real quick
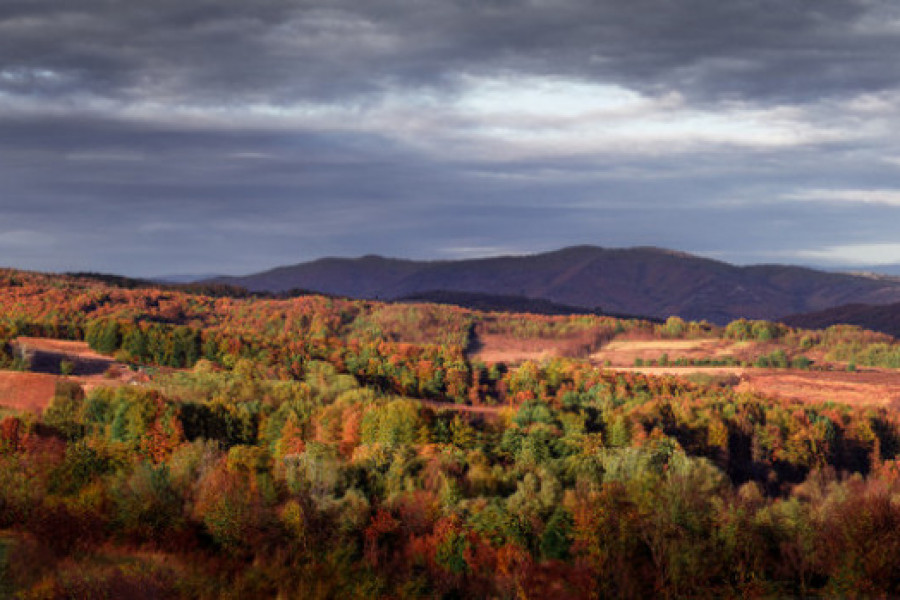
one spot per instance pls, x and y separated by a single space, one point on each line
198 136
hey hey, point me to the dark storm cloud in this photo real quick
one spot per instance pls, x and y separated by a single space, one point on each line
233 135
226 51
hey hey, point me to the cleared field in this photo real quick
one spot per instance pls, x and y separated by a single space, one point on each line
681 371
863 388
46 356
75 349
623 352
33 390
660 345
511 355
494 348
26 391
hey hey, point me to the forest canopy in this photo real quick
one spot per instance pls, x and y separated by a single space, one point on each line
321 447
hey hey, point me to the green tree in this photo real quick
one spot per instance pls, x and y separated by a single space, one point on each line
556 541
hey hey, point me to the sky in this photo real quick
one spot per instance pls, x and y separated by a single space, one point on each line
231 136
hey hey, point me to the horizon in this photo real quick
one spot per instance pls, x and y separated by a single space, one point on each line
233 137
892 270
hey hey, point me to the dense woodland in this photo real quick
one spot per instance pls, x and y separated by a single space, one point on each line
318 447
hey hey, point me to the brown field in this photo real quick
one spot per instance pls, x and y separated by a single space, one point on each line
511 355
870 387
682 371
623 352
495 348
23 390
877 387
492 348
32 391
46 355
26 391
74 349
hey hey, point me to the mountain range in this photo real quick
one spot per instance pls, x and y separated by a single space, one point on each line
640 281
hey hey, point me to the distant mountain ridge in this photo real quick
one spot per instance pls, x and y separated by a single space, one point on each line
643 280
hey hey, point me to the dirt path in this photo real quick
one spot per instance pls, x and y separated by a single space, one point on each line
488 412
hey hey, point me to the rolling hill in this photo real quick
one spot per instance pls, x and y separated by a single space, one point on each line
644 280
884 317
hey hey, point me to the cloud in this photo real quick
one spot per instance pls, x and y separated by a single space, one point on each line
24 239
887 197
226 135
227 52
856 254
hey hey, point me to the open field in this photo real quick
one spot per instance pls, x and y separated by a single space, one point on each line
45 355
620 345
511 355
875 387
33 390
619 352
870 387
496 348
623 352
26 391
683 371
863 388
70 348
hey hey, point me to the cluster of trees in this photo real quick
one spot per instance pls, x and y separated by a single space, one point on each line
761 331
153 343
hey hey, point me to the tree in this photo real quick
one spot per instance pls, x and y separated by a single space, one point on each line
556 541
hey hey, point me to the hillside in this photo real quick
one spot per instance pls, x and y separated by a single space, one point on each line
645 281
162 443
508 304
884 318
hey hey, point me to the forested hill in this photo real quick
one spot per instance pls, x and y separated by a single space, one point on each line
646 281
883 318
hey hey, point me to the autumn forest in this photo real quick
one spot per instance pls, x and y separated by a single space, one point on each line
173 442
